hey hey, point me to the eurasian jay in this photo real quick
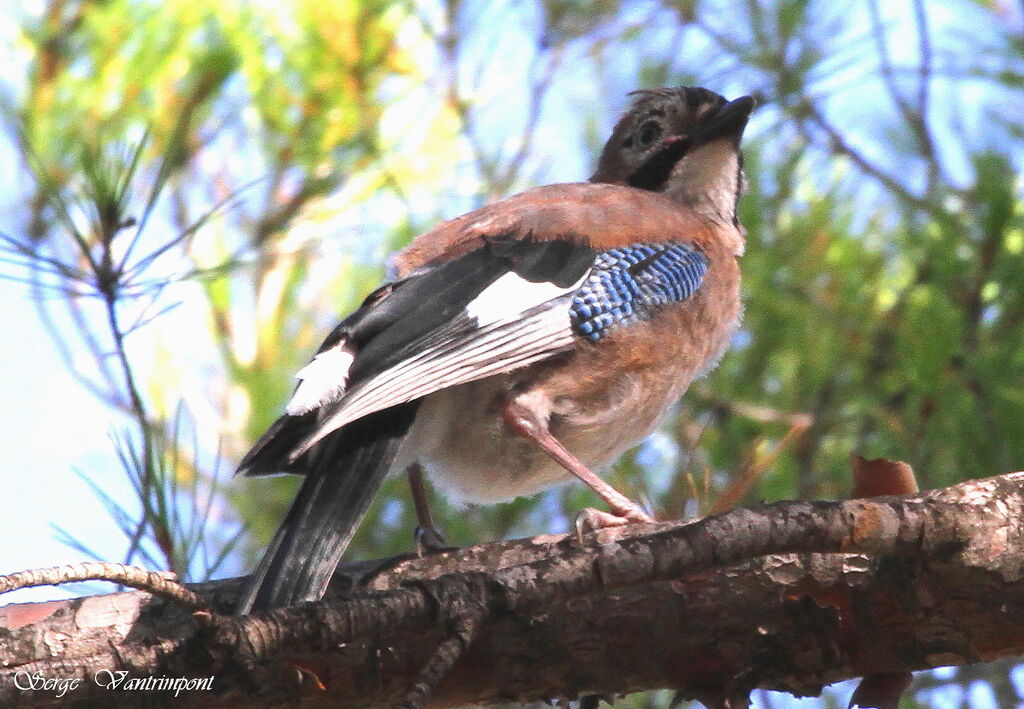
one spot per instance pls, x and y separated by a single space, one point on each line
523 343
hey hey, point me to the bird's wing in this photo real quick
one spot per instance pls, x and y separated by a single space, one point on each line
495 309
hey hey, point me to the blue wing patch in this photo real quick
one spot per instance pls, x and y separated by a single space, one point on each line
629 283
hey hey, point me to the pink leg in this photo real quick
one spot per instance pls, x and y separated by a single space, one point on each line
524 423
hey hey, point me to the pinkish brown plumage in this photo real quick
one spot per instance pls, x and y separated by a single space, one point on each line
599 215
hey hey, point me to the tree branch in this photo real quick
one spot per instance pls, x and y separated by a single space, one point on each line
788 596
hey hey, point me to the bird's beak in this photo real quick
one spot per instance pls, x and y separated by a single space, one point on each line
729 122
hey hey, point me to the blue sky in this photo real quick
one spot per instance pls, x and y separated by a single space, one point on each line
40 452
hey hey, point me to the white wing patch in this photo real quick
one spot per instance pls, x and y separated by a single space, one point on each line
323 380
511 295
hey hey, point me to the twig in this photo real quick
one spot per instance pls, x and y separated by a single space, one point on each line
538 91
916 116
155 582
755 469
764 414
63 347
840 145
885 62
923 94
463 633
138 409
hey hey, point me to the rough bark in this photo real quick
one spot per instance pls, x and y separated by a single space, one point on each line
788 596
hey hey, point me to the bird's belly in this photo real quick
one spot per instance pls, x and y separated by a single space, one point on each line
471 455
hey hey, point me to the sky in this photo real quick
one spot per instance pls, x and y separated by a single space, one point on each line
39 454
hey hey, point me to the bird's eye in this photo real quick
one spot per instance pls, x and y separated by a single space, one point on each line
649 132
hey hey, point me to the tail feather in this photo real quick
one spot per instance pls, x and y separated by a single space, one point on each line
345 473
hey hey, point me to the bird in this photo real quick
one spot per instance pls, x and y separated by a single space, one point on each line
522 344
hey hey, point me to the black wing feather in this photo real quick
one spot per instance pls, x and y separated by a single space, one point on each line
270 453
419 307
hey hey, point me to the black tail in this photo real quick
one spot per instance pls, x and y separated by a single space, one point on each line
346 470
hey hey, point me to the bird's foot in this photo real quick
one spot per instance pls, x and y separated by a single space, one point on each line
591 520
430 541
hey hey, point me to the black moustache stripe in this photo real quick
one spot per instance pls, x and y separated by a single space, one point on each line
653 174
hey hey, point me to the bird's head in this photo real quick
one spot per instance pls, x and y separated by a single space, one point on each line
684 143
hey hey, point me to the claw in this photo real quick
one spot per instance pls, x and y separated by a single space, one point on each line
430 541
591 520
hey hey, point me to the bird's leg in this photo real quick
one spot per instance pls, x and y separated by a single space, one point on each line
525 423
428 538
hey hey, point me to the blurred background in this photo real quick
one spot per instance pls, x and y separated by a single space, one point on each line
192 193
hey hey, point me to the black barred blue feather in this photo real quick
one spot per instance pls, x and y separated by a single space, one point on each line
628 283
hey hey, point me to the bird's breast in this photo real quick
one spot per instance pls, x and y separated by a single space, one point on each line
461 439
